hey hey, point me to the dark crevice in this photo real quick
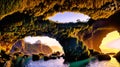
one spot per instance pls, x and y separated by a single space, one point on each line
12 19
16 17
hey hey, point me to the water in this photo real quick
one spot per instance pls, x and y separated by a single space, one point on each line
112 63
49 63
59 63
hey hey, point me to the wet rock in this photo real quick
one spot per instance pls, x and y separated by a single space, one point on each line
102 57
46 58
35 57
93 52
74 50
117 56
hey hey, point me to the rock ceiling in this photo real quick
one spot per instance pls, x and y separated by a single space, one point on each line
20 18
94 8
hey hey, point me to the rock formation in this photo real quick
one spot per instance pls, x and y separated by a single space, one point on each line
44 8
117 56
29 17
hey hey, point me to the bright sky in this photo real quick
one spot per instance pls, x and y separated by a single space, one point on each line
69 17
111 43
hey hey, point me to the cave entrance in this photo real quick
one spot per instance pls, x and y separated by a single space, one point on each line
38 44
111 43
69 17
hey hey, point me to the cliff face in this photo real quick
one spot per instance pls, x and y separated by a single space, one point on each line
20 18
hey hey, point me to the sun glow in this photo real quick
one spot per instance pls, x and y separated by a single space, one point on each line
111 43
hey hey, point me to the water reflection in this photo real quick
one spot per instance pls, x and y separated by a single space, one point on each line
112 63
50 63
60 63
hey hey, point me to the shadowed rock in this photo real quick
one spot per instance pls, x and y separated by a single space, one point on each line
95 9
117 56
35 57
74 50
93 52
102 57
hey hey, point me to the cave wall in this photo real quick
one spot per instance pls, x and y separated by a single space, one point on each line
99 29
14 13
90 33
108 25
20 18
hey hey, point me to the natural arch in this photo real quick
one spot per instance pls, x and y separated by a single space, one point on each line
94 41
61 32
110 43
26 25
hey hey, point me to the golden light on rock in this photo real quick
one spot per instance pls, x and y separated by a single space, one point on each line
111 43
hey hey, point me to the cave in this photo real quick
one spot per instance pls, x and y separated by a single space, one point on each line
29 18
110 43
37 44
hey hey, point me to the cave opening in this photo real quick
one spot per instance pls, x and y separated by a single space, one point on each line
69 17
110 43
37 44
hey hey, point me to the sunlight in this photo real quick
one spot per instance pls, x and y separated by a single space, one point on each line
69 17
52 43
111 43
